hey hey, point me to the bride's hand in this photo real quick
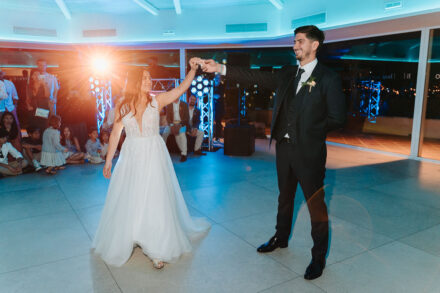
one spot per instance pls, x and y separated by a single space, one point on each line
195 62
107 170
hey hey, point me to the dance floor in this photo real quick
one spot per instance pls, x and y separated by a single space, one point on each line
384 215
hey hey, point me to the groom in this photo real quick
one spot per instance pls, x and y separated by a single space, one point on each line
309 102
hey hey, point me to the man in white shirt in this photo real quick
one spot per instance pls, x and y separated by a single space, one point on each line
194 124
10 103
9 168
178 120
51 84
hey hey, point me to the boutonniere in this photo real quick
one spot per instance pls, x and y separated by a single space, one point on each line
310 82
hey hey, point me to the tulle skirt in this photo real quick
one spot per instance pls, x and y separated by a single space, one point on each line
145 207
49 159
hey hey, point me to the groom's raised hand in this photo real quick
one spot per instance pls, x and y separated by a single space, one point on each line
211 66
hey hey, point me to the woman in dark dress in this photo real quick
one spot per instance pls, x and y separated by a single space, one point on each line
38 94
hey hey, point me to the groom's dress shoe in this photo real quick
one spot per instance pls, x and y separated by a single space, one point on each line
314 270
272 244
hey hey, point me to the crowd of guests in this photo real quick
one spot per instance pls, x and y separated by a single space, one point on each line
42 143
34 139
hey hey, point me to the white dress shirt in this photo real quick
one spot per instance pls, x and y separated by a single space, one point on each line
191 113
308 69
8 103
176 108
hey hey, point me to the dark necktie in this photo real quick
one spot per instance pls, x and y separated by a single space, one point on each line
298 78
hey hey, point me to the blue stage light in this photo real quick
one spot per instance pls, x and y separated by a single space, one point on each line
193 90
205 82
91 79
193 82
92 86
199 94
199 78
96 82
199 86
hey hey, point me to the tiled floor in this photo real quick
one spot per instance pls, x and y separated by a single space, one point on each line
430 148
384 215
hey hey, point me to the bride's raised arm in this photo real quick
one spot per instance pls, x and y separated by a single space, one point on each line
167 98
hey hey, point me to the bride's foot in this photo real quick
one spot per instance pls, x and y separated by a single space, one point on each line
158 264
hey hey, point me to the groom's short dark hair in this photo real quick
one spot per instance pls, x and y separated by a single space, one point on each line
312 33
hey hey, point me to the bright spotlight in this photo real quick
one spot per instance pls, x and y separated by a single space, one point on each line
100 65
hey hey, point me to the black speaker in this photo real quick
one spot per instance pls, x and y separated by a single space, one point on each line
239 140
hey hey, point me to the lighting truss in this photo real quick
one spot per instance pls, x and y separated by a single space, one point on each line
164 85
203 90
101 89
370 99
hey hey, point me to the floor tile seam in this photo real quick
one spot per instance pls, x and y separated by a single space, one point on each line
43 264
75 212
244 217
279 284
29 188
395 197
405 199
360 253
241 217
203 214
264 255
412 234
362 227
37 216
113 277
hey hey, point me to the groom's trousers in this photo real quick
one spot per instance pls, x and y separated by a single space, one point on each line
292 170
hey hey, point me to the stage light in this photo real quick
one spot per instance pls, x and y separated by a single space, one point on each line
193 90
92 86
91 79
199 86
193 83
199 78
100 65
205 82
199 94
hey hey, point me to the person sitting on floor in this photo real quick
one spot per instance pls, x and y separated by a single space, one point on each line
105 137
9 123
74 155
93 148
9 168
32 146
52 155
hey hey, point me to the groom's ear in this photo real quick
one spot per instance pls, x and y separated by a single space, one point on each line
315 45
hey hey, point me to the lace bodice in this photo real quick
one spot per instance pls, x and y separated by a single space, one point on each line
150 122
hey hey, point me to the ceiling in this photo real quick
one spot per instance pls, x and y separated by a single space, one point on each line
197 21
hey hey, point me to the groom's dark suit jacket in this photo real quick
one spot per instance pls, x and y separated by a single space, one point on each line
308 115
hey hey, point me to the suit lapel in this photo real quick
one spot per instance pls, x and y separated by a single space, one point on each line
305 90
284 93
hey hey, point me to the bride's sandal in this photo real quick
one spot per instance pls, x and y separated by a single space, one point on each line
158 264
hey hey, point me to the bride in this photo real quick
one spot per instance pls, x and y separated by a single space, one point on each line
144 204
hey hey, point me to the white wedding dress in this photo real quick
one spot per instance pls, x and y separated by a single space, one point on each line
144 204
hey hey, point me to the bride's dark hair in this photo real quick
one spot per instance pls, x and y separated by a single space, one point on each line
132 91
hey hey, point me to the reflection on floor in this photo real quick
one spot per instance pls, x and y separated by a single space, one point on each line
388 143
385 229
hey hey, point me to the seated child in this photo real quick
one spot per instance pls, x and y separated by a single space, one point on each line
93 148
32 147
9 168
